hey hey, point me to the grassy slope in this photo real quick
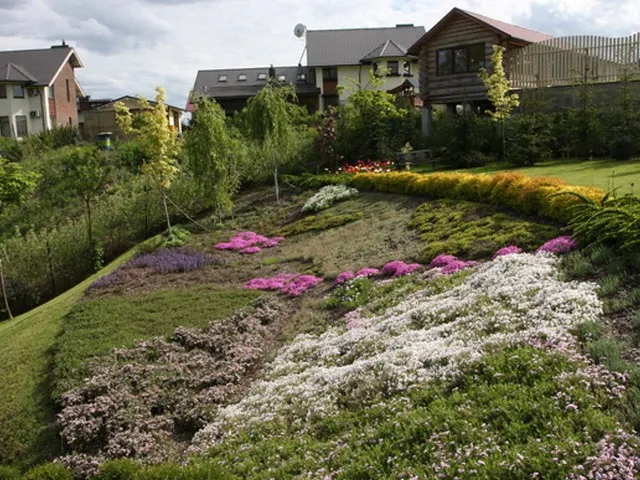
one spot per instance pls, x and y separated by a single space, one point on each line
95 327
26 410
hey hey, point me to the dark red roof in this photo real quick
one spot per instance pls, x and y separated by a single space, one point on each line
512 31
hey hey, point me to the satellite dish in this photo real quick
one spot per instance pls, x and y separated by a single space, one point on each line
299 30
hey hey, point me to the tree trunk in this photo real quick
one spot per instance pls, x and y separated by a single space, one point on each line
275 179
89 222
4 293
166 211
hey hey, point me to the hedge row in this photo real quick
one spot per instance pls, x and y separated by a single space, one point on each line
518 192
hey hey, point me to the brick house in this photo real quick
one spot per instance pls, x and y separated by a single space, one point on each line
38 90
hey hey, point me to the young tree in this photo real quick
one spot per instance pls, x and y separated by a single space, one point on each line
87 173
269 124
211 152
498 91
157 141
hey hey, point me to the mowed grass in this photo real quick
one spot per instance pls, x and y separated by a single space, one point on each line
94 327
27 433
606 174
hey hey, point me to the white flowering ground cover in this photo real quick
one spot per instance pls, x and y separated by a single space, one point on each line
425 338
327 196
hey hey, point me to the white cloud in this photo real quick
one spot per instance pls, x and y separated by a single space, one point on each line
130 46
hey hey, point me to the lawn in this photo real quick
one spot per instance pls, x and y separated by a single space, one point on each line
606 174
26 353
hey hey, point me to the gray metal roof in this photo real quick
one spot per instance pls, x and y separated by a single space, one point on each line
208 81
327 48
42 65
14 73
386 50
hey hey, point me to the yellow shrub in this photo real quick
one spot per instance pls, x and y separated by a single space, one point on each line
515 191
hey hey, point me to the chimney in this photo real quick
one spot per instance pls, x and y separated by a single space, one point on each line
272 72
63 45
398 25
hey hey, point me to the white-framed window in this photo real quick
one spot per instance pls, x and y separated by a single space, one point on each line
18 91
262 76
242 77
5 127
3 91
282 77
222 77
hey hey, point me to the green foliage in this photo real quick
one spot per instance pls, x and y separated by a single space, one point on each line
315 223
502 416
474 231
606 351
584 123
211 153
9 473
610 222
50 471
94 327
10 149
352 294
623 122
589 332
15 183
530 139
130 156
178 237
315 182
120 469
370 125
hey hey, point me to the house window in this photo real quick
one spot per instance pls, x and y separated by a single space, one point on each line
222 78
282 78
18 91
465 59
70 121
406 69
52 92
330 74
21 126
392 65
3 91
68 90
262 76
301 77
242 77
5 127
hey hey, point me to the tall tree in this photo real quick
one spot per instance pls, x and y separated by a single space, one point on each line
157 141
498 91
269 124
211 154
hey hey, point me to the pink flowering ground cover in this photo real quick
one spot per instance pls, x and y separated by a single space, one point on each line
248 243
510 250
349 275
450 264
558 245
286 283
398 268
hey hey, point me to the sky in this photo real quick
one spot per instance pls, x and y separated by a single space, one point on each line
131 46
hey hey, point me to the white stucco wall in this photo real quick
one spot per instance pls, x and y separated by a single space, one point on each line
352 75
12 107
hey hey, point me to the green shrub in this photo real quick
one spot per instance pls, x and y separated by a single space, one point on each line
9 473
49 471
315 182
609 285
121 469
577 266
314 223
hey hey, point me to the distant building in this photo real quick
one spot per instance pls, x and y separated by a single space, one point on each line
99 116
345 56
232 88
38 90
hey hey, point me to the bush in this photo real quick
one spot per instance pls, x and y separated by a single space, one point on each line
121 469
518 192
50 471
529 139
8 473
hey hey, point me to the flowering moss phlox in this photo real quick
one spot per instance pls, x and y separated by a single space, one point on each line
558 245
450 264
245 241
328 195
286 283
511 249
349 275
398 268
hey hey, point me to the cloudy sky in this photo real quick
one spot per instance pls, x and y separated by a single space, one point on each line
130 46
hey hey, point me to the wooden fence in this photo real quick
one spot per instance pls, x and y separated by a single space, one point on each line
568 60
